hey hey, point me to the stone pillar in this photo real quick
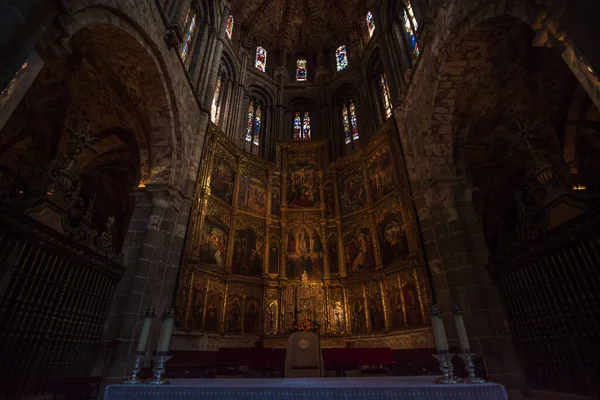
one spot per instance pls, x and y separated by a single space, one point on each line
215 61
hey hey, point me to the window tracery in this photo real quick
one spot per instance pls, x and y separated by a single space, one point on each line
254 127
229 26
302 130
410 26
370 24
385 94
301 74
350 122
215 107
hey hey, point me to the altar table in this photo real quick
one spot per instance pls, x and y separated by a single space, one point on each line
376 388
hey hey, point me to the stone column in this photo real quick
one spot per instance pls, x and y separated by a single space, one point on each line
213 72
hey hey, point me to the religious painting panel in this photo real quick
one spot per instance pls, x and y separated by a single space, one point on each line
213 311
329 200
303 188
392 239
337 321
396 303
252 315
271 312
304 252
381 175
333 251
213 242
196 306
359 253
222 178
410 296
253 191
248 250
233 314
352 192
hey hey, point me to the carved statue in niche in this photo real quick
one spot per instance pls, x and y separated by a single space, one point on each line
397 317
247 253
213 247
332 251
377 319
275 200
271 317
222 179
381 176
411 303
251 317
304 252
359 252
303 185
393 243
338 317
274 258
352 192
358 317
233 319
197 308
329 201
211 323
289 317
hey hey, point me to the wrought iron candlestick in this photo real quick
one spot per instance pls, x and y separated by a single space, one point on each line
446 367
138 360
158 372
467 358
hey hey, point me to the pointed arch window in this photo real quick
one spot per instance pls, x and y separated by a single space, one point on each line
261 59
370 24
190 25
350 122
215 107
229 26
385 96
410 27
254 127
341 57
302 130
301 70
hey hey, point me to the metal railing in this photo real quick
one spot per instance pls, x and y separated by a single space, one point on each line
54 299
551 291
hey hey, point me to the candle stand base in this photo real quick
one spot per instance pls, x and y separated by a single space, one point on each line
159 370
446 367
137 367
470 366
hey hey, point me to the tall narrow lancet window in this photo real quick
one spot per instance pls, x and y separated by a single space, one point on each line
411 26
254 128
353 121
301 70
229 26
190 25
385 95
370 23
341 57
261 59
302 126
350 122
214 108
346 122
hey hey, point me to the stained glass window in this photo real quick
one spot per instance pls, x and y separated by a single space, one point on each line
411 26
261 59
370 23
353 121
346 121
297 127
301 70
250 121
190 23
385 93
257 122
229 26
306 126
341 58
214 109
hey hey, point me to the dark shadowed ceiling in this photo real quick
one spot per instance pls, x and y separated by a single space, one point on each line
299 25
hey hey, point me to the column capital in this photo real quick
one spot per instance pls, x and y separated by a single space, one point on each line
164 194
446 190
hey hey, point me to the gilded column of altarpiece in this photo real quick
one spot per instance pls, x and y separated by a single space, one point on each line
302 238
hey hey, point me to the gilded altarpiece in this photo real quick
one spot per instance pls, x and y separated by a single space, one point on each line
302 238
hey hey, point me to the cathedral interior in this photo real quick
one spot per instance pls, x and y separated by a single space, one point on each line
268 166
